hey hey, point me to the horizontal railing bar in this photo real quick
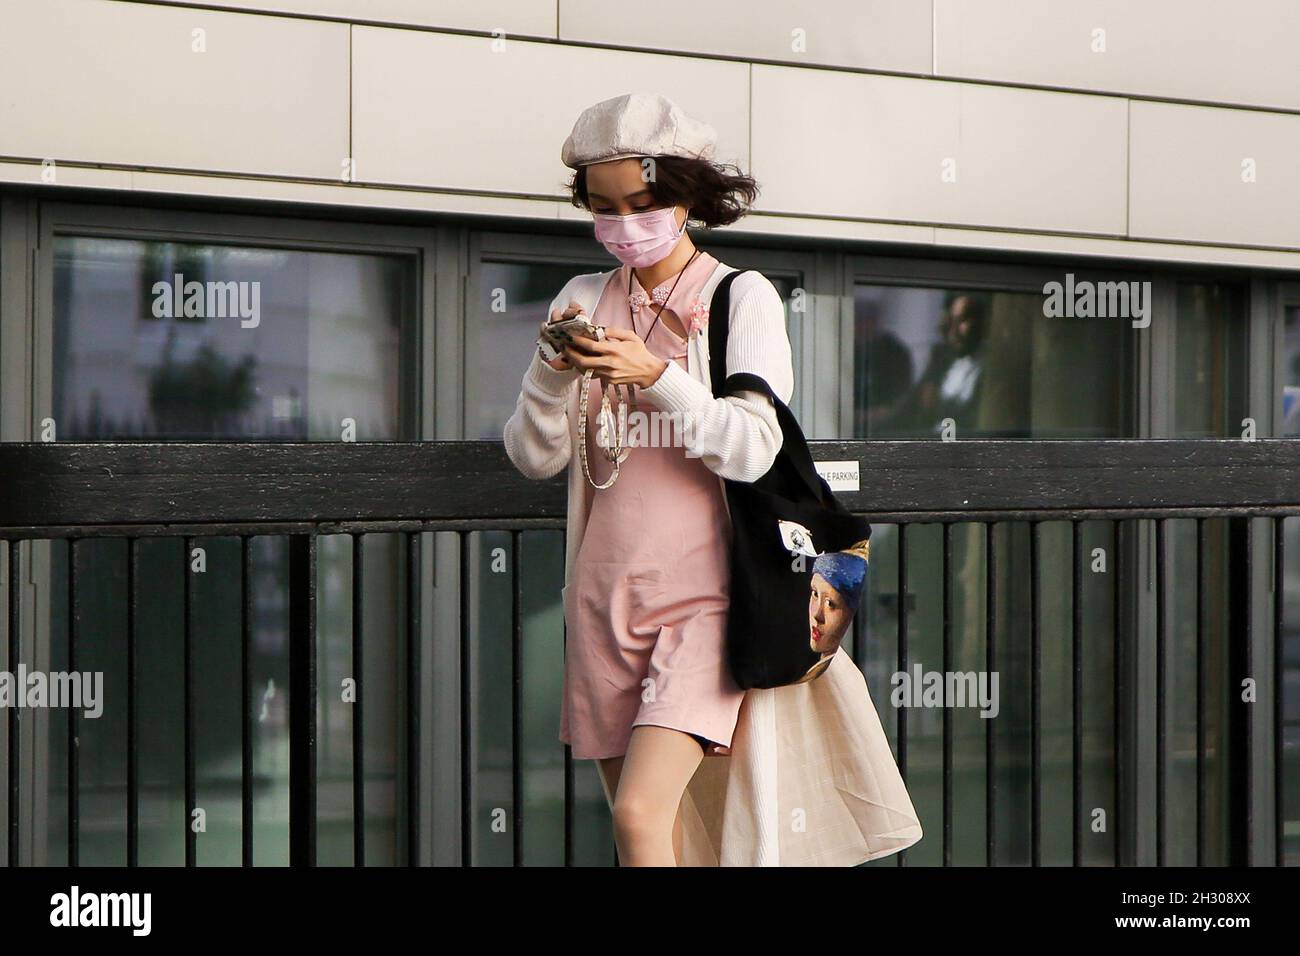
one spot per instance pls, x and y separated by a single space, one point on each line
221 529
557 522
88 484
1073 514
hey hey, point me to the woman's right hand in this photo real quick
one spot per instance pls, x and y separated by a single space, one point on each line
560 363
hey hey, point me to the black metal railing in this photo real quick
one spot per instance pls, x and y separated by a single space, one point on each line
303 491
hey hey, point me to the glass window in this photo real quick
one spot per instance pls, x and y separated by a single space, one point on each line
1290 426
1210 365
988 362
162 341
512 303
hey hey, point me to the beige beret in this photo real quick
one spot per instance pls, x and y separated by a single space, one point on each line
636 124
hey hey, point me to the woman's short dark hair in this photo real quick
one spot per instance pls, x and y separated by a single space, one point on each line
713 195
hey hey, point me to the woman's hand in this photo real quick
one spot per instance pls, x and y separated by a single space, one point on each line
560 363
621 359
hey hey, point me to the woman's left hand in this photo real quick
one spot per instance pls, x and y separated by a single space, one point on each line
621 359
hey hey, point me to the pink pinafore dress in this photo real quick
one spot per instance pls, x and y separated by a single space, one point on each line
647 613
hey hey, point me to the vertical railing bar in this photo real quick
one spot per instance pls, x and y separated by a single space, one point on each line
1117 688
14 606
1036 694
132 705
516 696
1076 703
1202 629
1245 781
414 685
466 711
1279 593
902 657
947 711
568 805
302 699
990 652
246 700
187 679
74 764
1162 624
358 702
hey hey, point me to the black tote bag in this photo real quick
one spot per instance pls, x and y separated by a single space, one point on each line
768 627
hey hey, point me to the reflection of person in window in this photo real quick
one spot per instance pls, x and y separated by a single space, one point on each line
883 366
949 387
833 598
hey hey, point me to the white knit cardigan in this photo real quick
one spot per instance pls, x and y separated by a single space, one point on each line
811 779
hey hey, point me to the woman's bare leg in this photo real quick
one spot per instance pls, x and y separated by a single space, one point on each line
656 769
610 768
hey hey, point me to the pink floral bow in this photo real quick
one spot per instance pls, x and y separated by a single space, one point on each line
697 317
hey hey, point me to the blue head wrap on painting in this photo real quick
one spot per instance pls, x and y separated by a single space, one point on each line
845 571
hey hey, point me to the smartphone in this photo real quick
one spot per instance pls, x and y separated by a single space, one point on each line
563 333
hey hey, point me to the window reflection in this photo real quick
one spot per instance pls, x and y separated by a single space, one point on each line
1290 427
512 304
1210 364
984 364
166 341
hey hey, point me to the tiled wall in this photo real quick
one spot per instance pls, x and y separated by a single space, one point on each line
1098 118
92 81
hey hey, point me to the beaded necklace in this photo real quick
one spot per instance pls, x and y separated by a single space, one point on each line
617 451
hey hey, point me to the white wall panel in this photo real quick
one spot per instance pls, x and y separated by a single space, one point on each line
878 147
106 82
1190 170
460 112
1243 52
102 82
515 17
891 35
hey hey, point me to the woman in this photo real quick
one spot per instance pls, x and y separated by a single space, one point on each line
647 693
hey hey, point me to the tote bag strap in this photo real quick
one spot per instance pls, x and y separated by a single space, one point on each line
793 444
720 306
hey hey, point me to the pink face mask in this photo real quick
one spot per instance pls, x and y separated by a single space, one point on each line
641 239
